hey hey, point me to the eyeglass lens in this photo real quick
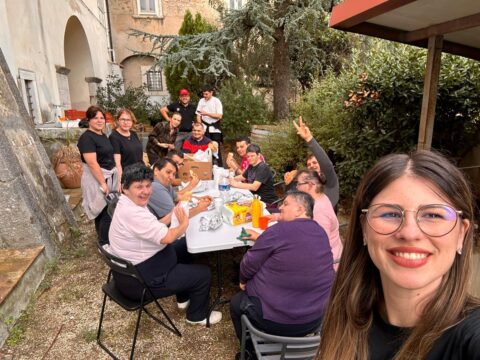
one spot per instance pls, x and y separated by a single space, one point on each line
433 220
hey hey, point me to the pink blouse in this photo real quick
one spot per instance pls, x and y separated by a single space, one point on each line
324 215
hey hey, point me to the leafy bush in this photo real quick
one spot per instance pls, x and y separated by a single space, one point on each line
373 108
114 95
241 109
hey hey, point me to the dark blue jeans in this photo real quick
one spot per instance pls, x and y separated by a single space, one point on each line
166 276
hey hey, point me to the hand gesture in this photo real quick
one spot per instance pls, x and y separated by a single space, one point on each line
253 235
213 146
289 176
194 180
233 182
232 164
182 217
303 130
204 203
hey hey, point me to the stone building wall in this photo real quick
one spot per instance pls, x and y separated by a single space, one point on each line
33 210
124 15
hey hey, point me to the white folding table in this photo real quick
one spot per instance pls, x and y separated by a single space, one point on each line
223 238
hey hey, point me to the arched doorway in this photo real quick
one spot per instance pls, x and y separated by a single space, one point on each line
78 60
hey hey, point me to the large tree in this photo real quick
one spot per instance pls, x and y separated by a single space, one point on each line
175 77
289 26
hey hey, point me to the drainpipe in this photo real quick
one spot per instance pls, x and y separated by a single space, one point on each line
109 29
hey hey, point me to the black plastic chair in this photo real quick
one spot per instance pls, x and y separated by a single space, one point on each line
273 347
125 267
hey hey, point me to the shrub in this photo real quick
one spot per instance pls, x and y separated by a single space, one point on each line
241 109
373 108
114 95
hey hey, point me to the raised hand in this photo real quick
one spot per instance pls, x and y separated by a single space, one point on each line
181 215
303 130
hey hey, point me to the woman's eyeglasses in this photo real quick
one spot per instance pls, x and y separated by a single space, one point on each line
303 183
433 220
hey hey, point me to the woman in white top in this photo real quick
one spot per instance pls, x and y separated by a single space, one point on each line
137 236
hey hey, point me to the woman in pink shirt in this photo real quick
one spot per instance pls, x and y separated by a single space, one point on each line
312 183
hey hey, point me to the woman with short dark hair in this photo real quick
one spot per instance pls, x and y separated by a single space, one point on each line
401 290
137 236
99 174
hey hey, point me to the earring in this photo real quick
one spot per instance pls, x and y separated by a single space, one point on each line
459 251
364 241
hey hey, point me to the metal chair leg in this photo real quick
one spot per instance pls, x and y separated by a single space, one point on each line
137 326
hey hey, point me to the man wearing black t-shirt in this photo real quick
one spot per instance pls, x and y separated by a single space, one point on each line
187 110
258 175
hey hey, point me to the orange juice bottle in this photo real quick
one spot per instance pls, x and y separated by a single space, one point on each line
256 211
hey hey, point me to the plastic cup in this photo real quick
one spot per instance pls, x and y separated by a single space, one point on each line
263 222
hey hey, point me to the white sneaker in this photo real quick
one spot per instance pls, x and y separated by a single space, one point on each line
183 305
215 317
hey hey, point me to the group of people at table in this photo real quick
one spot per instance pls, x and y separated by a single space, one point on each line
396 287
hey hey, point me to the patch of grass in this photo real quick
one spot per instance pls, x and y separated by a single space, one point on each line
75 232
75 251
51 266
18 327
17 334
89 335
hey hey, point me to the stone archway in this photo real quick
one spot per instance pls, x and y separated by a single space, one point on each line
78 61
134 68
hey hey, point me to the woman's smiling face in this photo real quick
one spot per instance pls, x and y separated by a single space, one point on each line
408 258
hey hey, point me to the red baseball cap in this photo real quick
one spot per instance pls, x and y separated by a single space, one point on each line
183 92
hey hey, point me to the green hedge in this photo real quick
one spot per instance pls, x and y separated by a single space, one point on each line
373 108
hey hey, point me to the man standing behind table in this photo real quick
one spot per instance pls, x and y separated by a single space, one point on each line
187 110
209 113
258 175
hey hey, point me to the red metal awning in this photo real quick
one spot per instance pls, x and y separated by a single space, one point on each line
414 21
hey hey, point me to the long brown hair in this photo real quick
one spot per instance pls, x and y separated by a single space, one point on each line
357 291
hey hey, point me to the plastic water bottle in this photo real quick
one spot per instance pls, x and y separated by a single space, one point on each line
224 188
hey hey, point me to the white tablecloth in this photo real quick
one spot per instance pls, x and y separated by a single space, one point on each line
223 238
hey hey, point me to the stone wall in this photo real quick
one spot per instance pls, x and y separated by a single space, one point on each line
33 209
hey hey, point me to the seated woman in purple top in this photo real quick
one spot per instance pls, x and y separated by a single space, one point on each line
287 275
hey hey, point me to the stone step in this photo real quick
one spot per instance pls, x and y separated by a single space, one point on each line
14 263
21 271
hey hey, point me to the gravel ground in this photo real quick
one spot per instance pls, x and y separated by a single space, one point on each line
62 319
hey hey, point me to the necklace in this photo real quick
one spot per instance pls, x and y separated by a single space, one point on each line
127 135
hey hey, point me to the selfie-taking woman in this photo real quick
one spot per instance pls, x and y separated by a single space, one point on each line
401 290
